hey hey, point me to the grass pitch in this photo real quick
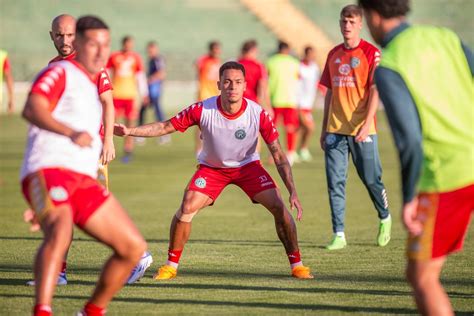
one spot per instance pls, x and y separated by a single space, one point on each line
234 263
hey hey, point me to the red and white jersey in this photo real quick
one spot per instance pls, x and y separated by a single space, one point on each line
103 81
229 141
73 101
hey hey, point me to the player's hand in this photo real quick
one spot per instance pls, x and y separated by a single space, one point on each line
146 100
108 152
11 107
322 140
295 203
121 130
412 222
82 139
29 216
363 133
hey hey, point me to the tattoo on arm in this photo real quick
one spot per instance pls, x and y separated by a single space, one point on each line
282 165
153 129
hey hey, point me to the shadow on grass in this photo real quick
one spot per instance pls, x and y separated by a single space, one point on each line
282 306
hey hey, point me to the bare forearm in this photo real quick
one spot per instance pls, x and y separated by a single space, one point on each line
152 130
9 81
327 104
373 104
108 114
282 165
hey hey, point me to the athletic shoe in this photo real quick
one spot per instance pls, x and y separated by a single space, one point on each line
164 140
126 158
338 242
383 236
139 270
305 155
301 272
62 280
292 158
165 272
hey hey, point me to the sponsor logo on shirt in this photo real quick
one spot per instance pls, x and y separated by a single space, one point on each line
58 194
344 69
240 134
200 182
355 62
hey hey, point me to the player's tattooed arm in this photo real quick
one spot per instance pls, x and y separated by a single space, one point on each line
148 130
284 169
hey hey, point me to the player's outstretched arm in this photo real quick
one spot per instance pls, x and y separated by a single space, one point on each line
108 149
148 130
284 169
36 111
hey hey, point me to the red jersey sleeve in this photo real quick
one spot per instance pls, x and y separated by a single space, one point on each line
103 82
6 66
50 84
372 54
110 62
187 117
267 128
326 76
138 63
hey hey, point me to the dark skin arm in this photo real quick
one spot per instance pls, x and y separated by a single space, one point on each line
284 169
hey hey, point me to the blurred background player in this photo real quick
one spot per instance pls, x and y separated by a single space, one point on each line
283 74
156 74
309 77
255 75
348 125
129 81
230 125
60 168
6 72
207 68
436 156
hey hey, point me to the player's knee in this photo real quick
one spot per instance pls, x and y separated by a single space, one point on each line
277 208
133 248
186 213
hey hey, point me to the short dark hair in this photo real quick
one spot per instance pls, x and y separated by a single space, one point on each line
387 8
151 43
308 49
89 22
351 10
213 44
126 38
231 65
283 45
248 45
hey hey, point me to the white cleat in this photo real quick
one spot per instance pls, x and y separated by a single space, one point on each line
62 280
139 270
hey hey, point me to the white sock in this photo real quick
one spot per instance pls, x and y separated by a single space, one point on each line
173 264
387 219
340 234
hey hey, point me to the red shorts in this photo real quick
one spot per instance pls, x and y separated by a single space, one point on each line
125 108
49 188
447 217
290 116
251 178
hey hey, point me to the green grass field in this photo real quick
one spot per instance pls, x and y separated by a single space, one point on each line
233 264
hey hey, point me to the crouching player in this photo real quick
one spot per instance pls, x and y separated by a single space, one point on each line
60 167
230 125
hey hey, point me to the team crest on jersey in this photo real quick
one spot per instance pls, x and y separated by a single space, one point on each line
200 182
337 61
58 194
344 69
355 62
240 134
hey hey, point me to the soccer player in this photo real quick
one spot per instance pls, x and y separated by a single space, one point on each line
230 125
309 77
6 71
156 74
60 167
283 74
255 75
207 68
425 80
129 81
349 125
63 32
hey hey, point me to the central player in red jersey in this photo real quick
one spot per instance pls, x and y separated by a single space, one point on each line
230 125
60 167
